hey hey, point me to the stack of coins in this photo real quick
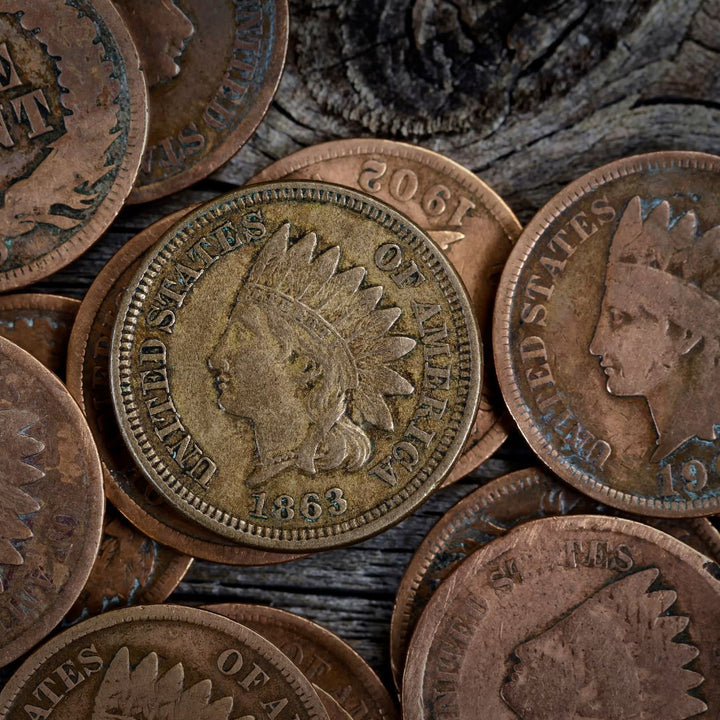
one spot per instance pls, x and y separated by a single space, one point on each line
296 366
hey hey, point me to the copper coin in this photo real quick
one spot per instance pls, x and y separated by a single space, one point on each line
130 569
604 334
465 217
40 324
326 660
489 512
52 502
72 130
159 661
296 366
212 69
572 617
89 383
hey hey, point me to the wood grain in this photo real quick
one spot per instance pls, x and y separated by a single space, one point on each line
529 95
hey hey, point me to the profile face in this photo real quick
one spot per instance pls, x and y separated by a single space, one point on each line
250 374
635 344
162 48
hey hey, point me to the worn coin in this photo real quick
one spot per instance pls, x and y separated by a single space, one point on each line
295 366
604 334
130 569
489 512
40 324
332 706
325 659
463 215
570 617
212 69
73 123
159 661
51 507
89 383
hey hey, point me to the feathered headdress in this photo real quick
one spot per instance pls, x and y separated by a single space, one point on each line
15 472
143 693
309 291
668 259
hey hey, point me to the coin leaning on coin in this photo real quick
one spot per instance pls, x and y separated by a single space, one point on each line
295 366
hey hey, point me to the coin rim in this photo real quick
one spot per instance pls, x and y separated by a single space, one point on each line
90 232
503 333
262 536
242 133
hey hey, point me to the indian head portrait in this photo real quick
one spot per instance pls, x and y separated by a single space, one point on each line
657 335
305 359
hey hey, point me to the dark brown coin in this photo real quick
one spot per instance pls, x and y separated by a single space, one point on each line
130 569
51 501
295 366
212 69
89 383
332 706
40 324
327 661
161 661
465 217
572 617
73 124
605 339
488 513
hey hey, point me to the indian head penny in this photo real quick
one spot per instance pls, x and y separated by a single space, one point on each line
295 366
212 69
51 501
73 123
463 215
326 660
489 512
88 379
570 617
159 661
605 334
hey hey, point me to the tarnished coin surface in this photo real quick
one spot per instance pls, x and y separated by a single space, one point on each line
130 569
571 617
159 661
295 366
212 69
51 501
604 334
327 661
72 130
88 379
332 706
489 512
463 215
40 324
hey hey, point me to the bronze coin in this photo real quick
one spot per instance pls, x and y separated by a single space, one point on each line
463 215
570 617
89 383
326 660
296 366
130 569
212 69
52 501
489 512
39 324
73 124
159 661
604 334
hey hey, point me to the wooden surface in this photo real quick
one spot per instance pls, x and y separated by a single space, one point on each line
529 95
